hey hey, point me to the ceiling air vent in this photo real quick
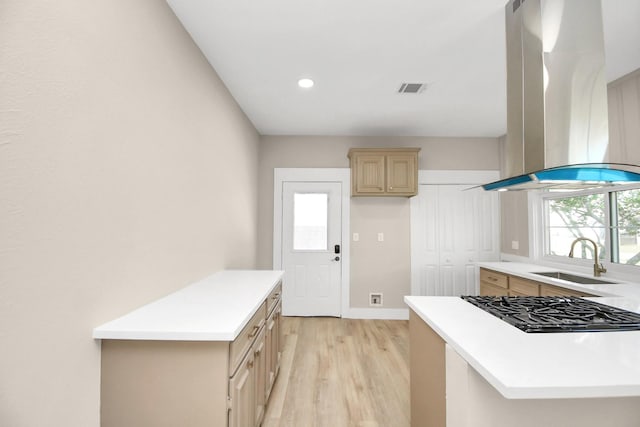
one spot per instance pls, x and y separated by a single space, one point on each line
412 87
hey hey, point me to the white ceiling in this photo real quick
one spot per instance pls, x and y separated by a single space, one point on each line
358 52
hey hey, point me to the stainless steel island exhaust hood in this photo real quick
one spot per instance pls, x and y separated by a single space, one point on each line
557 126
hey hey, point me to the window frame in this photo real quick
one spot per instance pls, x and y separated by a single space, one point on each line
539 227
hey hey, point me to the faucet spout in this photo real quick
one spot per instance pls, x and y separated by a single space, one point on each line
597 267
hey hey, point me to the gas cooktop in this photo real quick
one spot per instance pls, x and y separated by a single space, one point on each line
557 314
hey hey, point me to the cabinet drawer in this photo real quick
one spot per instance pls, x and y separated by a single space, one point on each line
243 342
494 278
518 286
274 297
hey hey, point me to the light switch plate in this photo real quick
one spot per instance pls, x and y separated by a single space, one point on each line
356 237
380 237
515 244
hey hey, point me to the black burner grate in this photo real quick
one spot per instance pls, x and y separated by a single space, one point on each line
557 314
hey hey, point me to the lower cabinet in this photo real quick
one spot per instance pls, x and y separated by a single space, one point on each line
251 384
193 383
487 289
523 287
493 283
556 291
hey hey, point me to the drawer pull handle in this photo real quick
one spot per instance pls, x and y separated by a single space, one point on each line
250 364
254 332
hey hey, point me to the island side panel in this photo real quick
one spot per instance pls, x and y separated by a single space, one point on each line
164 383
428 380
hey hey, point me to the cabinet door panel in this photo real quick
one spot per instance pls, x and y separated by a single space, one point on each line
494 278
401 174
260 358
242 388
370 174
523 287
273 348
487 289
556 291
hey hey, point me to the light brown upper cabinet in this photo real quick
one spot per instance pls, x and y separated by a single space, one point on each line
384 171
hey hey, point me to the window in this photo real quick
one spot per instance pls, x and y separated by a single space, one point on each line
625 227
310 226
573 217
610 218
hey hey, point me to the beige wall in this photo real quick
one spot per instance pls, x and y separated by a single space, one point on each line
514 214
514 218
385 266
372 263
624 119
126 172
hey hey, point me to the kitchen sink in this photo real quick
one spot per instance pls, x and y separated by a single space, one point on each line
575 279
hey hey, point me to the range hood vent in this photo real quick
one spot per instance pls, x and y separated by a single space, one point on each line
557 120
571 177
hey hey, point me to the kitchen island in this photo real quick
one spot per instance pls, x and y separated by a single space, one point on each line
493 374
206 355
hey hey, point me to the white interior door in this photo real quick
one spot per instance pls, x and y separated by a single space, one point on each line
311 248
455 227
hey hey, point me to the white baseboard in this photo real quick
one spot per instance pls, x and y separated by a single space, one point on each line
377 313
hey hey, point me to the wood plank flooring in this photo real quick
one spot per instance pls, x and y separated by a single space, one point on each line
342 373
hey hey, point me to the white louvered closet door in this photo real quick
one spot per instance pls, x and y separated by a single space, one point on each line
453 230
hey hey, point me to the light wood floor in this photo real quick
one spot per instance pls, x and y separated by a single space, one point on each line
342 373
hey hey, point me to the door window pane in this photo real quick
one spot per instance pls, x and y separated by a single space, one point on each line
572 217
310 221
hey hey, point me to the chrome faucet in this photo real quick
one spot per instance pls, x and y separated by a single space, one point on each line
597 267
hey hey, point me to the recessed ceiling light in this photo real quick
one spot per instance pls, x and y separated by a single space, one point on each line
305 83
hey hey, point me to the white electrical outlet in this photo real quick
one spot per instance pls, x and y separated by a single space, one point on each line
375 299
515 244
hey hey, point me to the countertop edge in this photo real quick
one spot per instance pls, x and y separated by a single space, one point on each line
522 391
491 379
118 329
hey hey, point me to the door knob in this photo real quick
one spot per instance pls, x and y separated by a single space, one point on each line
335 259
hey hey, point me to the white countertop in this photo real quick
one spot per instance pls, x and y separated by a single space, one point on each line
536 366
214 309
622 288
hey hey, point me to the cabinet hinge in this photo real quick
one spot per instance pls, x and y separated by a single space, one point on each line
229 403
